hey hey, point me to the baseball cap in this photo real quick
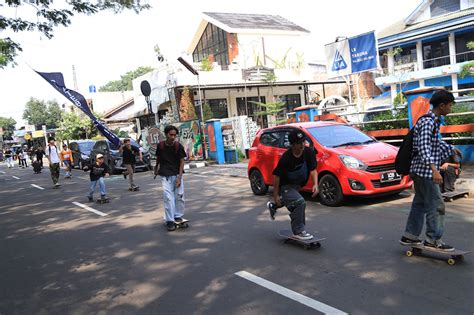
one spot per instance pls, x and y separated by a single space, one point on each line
99 156
296 136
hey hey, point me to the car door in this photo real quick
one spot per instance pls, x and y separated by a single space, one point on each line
76 155
269 152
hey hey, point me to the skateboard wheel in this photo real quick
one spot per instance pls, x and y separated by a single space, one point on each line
451 261
185 225
409 253
317 245
466 196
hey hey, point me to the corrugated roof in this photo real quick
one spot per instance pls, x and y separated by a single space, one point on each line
255 21
400 27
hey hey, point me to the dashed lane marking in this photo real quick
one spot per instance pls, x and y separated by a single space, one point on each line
321 307
83 206
15 177
2 172
36 186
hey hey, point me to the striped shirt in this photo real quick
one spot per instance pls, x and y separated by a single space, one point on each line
428 148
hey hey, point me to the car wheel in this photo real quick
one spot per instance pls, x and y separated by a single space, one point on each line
257 183
330 191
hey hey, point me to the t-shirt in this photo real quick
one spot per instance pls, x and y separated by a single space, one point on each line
98 171
39 154
129 155
66 155
169 159
8 153
53 154
295 170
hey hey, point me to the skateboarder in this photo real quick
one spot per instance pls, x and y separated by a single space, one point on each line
129 160
9 157
428 152
170 156
98 170
67 160
293 171
39 152
54 160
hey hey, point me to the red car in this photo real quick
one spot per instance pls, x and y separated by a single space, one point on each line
350 163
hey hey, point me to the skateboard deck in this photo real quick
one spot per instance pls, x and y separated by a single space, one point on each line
307 244
182 224
453 256
105 200
134 189
450 195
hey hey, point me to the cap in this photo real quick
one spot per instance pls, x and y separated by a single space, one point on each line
99 156
296 136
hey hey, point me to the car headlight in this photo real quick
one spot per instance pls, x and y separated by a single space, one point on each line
352 162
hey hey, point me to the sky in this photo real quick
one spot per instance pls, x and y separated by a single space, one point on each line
104 46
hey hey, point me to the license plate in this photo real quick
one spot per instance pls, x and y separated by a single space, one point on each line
389 177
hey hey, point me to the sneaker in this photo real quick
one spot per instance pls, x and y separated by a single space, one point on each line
439 244
56 185
408 241
124 175
170 226
178 220
90 199
271 206
303 236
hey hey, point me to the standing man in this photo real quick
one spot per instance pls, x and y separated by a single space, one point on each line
66 160
39 155
293 171
170 156
428 152
129 160
9 157
54 160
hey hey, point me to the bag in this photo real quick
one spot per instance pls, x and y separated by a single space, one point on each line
405 152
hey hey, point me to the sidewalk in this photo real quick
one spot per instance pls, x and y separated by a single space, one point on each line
466 180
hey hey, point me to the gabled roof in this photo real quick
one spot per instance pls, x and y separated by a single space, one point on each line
118 108
419 10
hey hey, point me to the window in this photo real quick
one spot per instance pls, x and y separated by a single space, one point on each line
462 52
218 107
440 7
383 58
337 135
272 138
291 101
213 42
73 146
436 53
286 143
407 55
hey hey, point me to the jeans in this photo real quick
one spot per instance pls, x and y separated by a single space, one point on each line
428 203
67 164
101 187
173 197
10 163
54 169
129 172
296 204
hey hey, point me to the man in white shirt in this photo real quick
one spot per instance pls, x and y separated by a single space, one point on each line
53 158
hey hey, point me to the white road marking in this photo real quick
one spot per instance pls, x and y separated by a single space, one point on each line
89 209
321 307
2 172
15 177
36 186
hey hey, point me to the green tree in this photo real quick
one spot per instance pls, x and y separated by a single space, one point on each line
8 126
75 126
206 64
207 112
273 109
125 82
39 112
468 68
48 17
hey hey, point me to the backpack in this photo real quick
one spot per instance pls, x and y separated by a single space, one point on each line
405 152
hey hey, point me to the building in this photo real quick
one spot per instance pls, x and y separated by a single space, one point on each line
428 48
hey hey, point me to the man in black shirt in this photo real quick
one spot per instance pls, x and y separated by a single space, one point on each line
9 157
129 160
294 169
170 156
98 170
39 152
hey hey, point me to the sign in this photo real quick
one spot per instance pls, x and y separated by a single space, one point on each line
27 136
38 134
256 73
352 55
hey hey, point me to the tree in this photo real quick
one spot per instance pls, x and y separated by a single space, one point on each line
468 68
8 126
75 126
49 16
207 112
125 82
39 112
273 109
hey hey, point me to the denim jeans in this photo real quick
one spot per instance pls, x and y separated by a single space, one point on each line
173 198
296 204
10 162
427 202
101 187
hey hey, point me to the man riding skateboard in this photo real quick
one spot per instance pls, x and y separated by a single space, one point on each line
129 161
293 171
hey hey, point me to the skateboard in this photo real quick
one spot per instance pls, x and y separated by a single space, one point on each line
103 200
134 189
182 224
450 195
453 256
56 186
307 244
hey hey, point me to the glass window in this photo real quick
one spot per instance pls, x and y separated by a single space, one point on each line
218 107
440 7
462 52
407 55
436 53
86 146
272 138
383 58
338 135
285 143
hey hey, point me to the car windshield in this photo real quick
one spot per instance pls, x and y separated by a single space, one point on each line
132 142
339 135
85 146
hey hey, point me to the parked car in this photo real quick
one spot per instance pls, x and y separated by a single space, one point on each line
350 163
113 157
81 151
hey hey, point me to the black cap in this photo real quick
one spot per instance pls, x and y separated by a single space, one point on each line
296 136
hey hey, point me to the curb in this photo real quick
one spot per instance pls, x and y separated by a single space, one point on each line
194 165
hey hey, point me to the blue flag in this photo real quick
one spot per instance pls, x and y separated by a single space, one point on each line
56 79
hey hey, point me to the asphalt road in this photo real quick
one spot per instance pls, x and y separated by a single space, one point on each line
59 258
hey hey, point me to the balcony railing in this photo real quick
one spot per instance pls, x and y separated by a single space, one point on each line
465 56
436 62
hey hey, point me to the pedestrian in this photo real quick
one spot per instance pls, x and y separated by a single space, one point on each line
54 160
39 152
9 157
23 156
450 171
66 160
428 152
98 171
295 167
170 156
129 153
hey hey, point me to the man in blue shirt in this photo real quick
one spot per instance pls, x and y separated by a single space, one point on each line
428 153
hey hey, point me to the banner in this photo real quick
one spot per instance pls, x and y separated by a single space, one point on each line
352 55
56 79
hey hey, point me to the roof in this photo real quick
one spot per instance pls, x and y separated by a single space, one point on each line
401 30
260 84
255 21
119 108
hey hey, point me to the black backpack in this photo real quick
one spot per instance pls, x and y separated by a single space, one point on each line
405 152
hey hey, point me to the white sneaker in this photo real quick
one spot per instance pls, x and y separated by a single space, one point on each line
304 236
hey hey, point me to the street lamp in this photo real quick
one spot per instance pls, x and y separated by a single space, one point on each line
196 73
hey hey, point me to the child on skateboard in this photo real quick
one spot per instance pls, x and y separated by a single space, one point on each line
98 171
293 171
66 160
